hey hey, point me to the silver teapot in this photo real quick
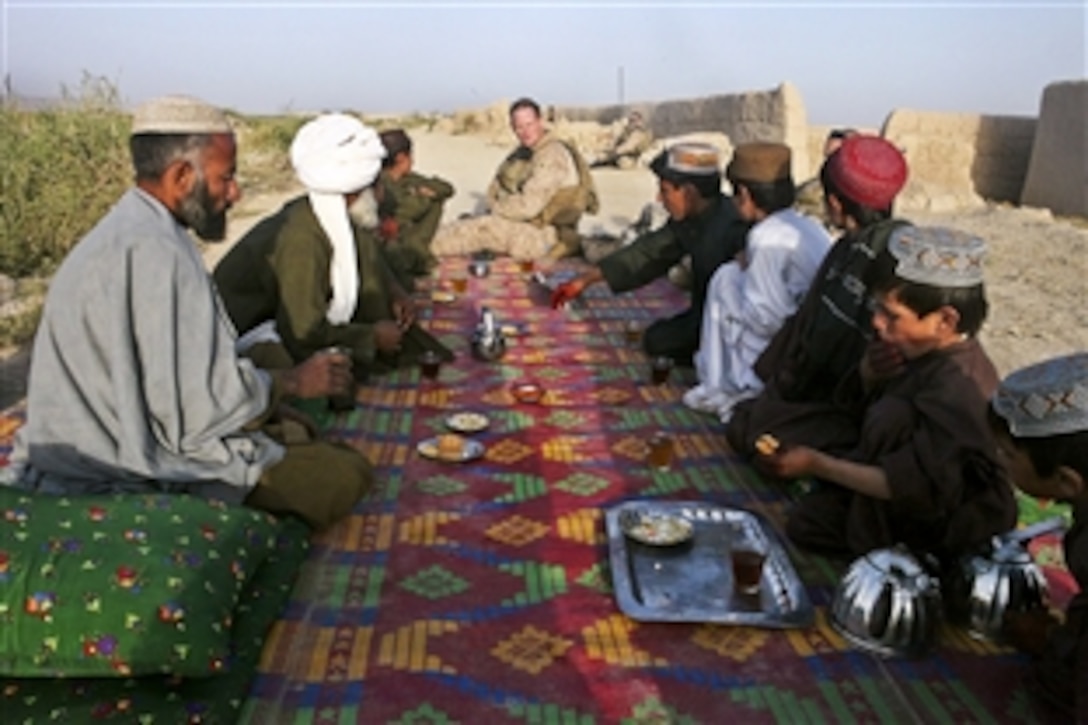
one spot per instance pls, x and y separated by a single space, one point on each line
888 603
488 342
982 588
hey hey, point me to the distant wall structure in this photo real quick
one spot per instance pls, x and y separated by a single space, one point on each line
958 159
1057 177
775 115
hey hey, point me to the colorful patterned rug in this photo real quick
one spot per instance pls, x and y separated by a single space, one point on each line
480 592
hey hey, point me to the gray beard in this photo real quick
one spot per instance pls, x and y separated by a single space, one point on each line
198 213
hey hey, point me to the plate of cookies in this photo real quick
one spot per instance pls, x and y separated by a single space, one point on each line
467 422
443 296
450 447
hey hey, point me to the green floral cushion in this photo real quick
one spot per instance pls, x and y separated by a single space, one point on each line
122 585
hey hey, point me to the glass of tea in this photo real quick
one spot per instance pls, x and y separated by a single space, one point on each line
660 451
660 369
747 562
430 362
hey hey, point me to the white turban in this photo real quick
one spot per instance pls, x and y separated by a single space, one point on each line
334 155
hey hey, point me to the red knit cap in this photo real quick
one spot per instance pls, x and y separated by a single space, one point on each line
868 170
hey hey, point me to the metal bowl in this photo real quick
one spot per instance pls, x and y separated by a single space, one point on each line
983 587
888 603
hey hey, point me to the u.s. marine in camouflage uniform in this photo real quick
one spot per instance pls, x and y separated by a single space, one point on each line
630 143
535 201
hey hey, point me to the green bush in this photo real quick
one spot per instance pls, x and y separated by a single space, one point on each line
64 167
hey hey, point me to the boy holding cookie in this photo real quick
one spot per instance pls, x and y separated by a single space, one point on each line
925 470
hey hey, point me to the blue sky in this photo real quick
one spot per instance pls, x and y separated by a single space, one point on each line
853 62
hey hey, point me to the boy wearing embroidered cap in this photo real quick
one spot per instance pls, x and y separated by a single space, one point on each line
703 222
1040 416
308 278
831 330
924 471
749 298
135 384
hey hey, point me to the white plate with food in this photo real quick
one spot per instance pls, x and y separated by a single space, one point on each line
513 329
656 529
467 422
451 448
443 296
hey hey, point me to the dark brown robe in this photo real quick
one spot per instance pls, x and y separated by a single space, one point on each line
927 430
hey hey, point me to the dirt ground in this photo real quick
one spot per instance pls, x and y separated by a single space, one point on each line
1037 269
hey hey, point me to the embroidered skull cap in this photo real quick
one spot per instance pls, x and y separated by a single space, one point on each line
937 256
1047 398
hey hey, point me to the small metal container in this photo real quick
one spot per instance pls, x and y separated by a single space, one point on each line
888 603
982 588
479 268
488 343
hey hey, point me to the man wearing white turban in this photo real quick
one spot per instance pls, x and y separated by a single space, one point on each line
135 384
308 277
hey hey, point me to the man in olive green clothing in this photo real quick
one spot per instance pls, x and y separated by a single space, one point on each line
308 277
703 223
410 208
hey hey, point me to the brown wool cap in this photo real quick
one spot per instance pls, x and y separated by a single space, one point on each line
760 162
179 115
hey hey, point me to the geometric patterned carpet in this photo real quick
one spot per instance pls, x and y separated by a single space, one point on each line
480 592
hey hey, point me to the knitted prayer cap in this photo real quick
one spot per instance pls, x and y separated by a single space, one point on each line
687 159
868 170
179 115
336 154
1047 398
759 162
937 257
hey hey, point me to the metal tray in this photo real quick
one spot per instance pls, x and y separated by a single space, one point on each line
693 582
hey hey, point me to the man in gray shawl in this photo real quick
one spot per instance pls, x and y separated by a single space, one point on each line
135 384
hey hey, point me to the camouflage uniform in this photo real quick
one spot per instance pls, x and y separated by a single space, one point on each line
416 203
535 201
630 144
810 200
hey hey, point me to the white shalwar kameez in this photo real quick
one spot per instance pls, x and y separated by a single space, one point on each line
746 305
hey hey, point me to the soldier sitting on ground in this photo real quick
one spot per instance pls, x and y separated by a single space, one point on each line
535 201
629 144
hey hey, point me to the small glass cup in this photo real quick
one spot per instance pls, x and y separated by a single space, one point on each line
459 283
345 401
632 332
660 369
430 362
660 451
747 562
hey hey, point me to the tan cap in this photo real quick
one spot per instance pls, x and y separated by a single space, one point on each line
760 163
179 115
